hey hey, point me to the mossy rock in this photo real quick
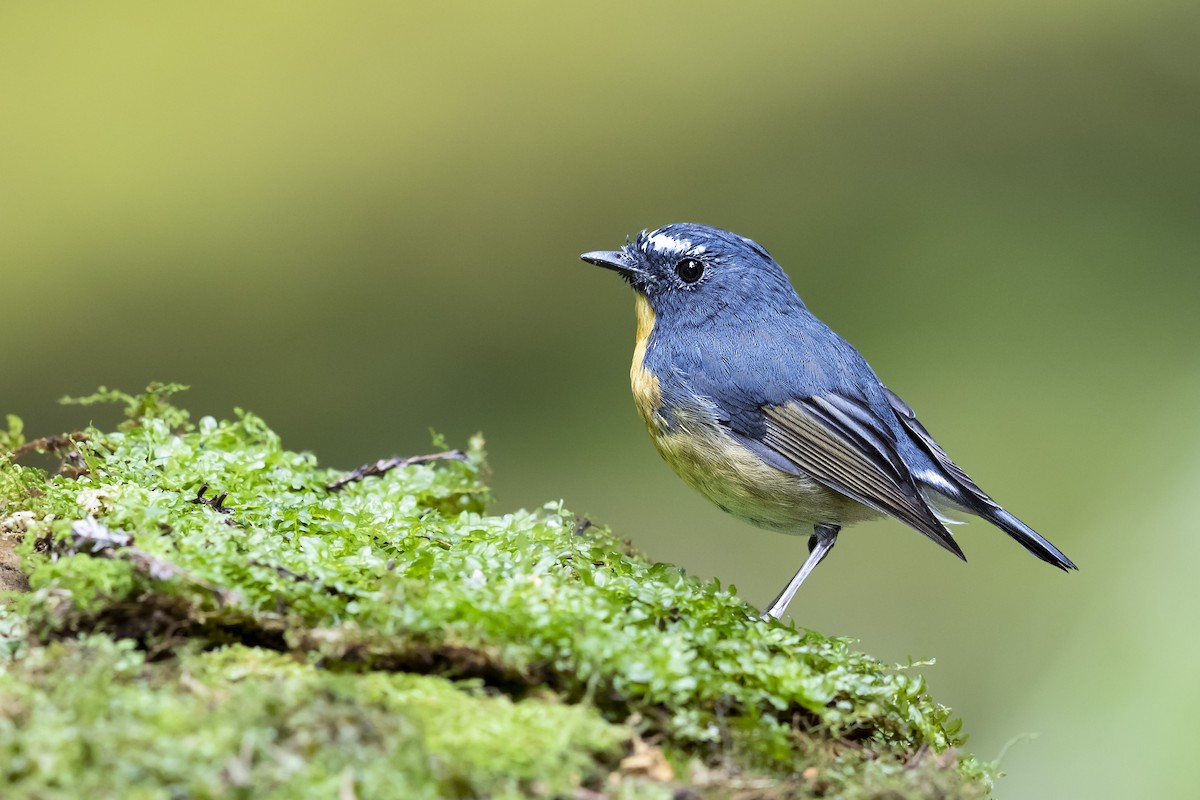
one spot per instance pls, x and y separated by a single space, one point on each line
206 617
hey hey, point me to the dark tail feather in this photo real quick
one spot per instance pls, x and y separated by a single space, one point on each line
1030 539
969 496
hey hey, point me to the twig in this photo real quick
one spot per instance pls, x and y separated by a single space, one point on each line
388 464
50 444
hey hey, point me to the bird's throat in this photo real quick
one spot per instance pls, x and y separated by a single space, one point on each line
646 393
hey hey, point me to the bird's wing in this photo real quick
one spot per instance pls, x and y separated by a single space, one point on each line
842 442
804 400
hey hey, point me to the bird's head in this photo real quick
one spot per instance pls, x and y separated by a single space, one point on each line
691 273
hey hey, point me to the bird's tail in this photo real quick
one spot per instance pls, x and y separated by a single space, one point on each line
1030 539
946 483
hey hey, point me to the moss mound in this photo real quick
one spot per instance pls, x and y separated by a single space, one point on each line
211 615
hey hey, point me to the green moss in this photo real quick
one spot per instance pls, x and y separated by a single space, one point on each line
207 552
244 722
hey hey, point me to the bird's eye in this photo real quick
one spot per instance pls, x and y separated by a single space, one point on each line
689 270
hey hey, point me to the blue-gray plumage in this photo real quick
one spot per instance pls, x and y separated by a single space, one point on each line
770 414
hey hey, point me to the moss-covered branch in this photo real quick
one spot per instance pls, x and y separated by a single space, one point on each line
206 617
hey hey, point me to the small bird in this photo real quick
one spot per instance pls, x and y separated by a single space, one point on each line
768 413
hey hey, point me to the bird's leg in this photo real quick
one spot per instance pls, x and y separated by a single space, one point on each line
819 545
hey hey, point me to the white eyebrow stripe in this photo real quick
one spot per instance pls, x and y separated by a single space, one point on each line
669 244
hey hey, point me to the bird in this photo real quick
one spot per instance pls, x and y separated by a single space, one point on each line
770 414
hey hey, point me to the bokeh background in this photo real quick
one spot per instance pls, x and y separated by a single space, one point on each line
362 222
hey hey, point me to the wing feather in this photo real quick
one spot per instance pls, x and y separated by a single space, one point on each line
908 419
842 444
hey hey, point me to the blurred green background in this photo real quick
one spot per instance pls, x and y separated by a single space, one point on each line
362 221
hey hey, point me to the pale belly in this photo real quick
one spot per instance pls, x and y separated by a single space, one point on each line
742 484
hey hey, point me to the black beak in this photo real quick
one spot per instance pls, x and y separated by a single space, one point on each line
615 260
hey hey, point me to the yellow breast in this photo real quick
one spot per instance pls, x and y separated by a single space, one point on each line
646 394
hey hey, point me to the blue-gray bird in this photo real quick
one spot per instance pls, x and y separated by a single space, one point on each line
771 415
